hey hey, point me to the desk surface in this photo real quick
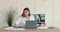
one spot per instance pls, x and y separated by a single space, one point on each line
32 30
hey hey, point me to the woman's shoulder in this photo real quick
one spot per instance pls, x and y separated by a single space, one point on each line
32 16
21 17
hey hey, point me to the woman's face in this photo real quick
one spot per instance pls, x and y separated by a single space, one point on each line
26 12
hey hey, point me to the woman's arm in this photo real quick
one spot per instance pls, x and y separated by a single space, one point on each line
16 24
20 23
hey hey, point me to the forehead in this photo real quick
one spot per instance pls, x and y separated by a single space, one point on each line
25 10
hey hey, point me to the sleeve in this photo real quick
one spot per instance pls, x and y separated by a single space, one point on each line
20 22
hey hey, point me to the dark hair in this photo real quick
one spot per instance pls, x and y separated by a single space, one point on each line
27 10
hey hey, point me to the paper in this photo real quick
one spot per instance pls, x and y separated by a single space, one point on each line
12 28
43 27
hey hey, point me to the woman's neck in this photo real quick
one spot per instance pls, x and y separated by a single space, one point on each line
27 17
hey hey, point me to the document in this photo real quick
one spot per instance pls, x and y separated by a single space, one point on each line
12 28
43 27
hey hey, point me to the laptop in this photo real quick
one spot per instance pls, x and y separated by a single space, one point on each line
31 24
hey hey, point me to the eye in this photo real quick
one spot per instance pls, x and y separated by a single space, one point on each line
25 12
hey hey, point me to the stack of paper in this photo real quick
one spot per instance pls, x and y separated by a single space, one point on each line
12 28
43 27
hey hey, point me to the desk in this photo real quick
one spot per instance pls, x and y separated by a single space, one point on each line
32 30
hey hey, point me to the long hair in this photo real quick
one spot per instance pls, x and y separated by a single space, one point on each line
27 10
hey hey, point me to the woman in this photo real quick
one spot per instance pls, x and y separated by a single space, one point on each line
25 16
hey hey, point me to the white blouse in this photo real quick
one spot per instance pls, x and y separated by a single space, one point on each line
21 21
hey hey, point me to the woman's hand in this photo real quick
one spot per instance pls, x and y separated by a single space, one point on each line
15 25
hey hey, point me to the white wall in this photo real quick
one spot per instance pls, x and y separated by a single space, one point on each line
49 14
57 13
